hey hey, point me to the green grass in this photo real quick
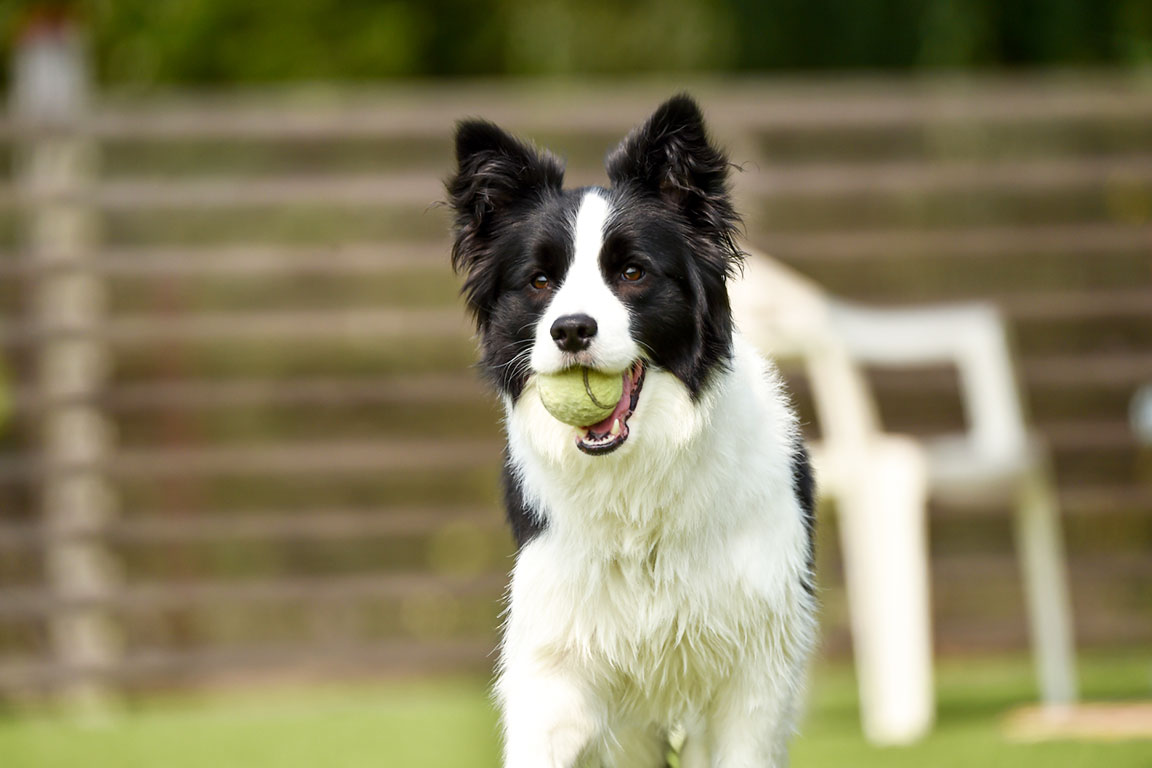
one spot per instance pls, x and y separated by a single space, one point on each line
973 697
448 724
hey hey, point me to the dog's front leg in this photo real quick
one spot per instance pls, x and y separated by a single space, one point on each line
549 721
750 724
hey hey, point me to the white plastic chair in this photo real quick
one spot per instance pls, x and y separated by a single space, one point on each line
881 482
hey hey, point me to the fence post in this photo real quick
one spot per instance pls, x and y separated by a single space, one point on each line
56 166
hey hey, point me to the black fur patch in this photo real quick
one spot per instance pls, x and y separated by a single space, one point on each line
805 487
526 524
498 180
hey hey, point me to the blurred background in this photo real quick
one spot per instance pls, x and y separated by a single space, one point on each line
242 446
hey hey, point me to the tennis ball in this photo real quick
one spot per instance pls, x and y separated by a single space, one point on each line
580 396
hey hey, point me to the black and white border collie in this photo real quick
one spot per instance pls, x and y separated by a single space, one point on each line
662 588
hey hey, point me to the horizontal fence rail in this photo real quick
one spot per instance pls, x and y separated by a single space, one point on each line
149 598
424 190
196 395
315 524
278 459
793 105
253 326
257 260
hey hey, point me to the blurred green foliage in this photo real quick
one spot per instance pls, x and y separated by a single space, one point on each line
144 42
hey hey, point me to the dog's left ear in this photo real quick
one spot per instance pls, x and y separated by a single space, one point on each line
670 156
496 175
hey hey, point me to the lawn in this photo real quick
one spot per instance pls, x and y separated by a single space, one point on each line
448 724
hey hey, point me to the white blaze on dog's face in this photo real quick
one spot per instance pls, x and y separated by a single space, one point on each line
585 323
628 279
584 293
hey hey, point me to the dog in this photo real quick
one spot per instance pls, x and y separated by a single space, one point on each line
662 592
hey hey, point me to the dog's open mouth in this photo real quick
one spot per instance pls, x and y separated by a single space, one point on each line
608 435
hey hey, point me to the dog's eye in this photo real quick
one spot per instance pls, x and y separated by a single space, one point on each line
540 281
632 273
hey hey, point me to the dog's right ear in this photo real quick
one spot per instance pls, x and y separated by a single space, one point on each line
671 158
496 175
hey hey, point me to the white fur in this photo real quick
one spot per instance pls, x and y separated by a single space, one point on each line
665 594
585 292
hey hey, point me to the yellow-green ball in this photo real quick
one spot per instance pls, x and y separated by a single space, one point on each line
580 396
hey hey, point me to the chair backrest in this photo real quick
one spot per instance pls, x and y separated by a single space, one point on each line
790 316
971 337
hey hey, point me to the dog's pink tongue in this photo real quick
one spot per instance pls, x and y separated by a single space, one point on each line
602 427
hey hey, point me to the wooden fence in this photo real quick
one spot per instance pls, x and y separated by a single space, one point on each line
292 466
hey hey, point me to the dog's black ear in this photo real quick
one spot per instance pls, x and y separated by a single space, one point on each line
670 156
496 174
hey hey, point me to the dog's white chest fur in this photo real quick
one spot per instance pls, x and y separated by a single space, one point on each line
650 639
668 573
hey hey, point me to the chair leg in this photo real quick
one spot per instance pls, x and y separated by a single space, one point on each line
882 524
1040 548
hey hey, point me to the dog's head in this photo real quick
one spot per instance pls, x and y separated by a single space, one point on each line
629 278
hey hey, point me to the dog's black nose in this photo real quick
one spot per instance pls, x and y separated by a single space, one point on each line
573 333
